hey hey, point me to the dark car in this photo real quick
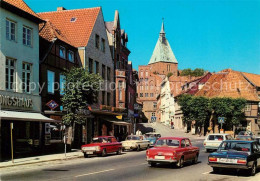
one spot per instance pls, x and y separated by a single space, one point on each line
236 154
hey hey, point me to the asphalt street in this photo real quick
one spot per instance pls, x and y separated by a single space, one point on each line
130 166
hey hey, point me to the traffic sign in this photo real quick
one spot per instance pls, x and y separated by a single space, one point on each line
221 120
52 105
153 118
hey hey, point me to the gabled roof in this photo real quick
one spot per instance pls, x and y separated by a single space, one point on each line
109 26
229 83
162 51
21 5
254 78
76 25
49 32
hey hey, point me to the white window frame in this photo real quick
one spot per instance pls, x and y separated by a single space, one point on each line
8 84
50 87
72 56
26 80
248 107
27 37
64 52
8 28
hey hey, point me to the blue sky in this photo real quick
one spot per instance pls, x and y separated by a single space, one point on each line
208 34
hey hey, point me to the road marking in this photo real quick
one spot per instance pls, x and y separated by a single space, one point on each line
95 173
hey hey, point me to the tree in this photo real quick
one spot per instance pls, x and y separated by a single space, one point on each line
80 90
197 72
169 74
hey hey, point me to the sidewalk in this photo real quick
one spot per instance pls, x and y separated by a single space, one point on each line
40 159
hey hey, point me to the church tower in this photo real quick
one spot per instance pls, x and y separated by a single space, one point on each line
163 60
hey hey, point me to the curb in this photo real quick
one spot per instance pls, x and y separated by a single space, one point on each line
61 159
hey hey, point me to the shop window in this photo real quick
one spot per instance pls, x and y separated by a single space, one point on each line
10 74
26 77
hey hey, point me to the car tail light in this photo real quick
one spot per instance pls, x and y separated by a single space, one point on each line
147 152
212 159
204 143
241 161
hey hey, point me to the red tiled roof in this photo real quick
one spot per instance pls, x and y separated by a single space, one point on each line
254 78
77 32
176 83
228 83
49 32
21 5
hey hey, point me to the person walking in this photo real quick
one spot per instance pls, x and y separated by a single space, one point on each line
172 125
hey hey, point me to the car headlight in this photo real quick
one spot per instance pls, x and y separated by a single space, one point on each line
97 148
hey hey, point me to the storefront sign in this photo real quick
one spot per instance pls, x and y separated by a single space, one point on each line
15 102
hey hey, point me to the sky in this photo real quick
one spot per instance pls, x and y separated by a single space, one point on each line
209 34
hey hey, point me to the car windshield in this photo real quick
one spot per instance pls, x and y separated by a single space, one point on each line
133 138
215 137
167 142
235 146
99 140
152 135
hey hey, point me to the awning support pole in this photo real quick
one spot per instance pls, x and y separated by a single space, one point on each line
12 146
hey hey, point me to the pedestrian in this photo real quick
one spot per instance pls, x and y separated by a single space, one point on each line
172 125
138 132
199 131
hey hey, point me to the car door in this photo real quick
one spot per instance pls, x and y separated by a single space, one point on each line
256 153
184 150
189 149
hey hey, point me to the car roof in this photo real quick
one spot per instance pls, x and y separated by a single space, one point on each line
251 141
173 138
218 134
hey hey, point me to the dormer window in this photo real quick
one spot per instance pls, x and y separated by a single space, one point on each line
73 19
71 56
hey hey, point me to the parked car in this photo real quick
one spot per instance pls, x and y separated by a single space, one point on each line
236 154
213 141
101 146
258 140
152 137
244 137
173 150
135 142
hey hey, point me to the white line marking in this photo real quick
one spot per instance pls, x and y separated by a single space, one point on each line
94 173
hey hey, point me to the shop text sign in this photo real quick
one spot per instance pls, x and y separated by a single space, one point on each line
10 101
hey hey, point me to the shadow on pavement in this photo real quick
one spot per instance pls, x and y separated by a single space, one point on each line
173 166
232 172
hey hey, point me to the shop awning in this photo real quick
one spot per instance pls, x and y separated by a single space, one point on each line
116 121
24 116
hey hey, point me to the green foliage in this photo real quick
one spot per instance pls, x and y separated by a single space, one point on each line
169 74
80 89
200 109
197 72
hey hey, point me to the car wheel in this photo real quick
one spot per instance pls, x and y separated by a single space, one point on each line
207 150
148 146
153 164
252 170
215 170
138 148
85 155
123 149
119 151
195 159
180 162
104 152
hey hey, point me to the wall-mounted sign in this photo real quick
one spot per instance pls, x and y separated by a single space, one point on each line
52 104
10 101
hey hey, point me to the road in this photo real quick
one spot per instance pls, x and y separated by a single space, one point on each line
129 166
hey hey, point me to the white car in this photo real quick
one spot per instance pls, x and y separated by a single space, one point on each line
135 142
213 141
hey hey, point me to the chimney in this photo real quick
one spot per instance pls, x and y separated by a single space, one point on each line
60 8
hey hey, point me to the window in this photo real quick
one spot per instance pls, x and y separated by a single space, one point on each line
155 105
146 94
108 98
62 83
108 73
182 143
146 73
71 56
103 45
248 107
50 82
96 67
62 52
146 79
146 87
26 77
142 74
120 86
187 142
141 95
104 72
103 97
10 30
90 65
10 74
151 94
27 36
97 41
153 114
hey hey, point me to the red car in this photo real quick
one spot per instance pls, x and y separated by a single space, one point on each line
174 150
101 146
